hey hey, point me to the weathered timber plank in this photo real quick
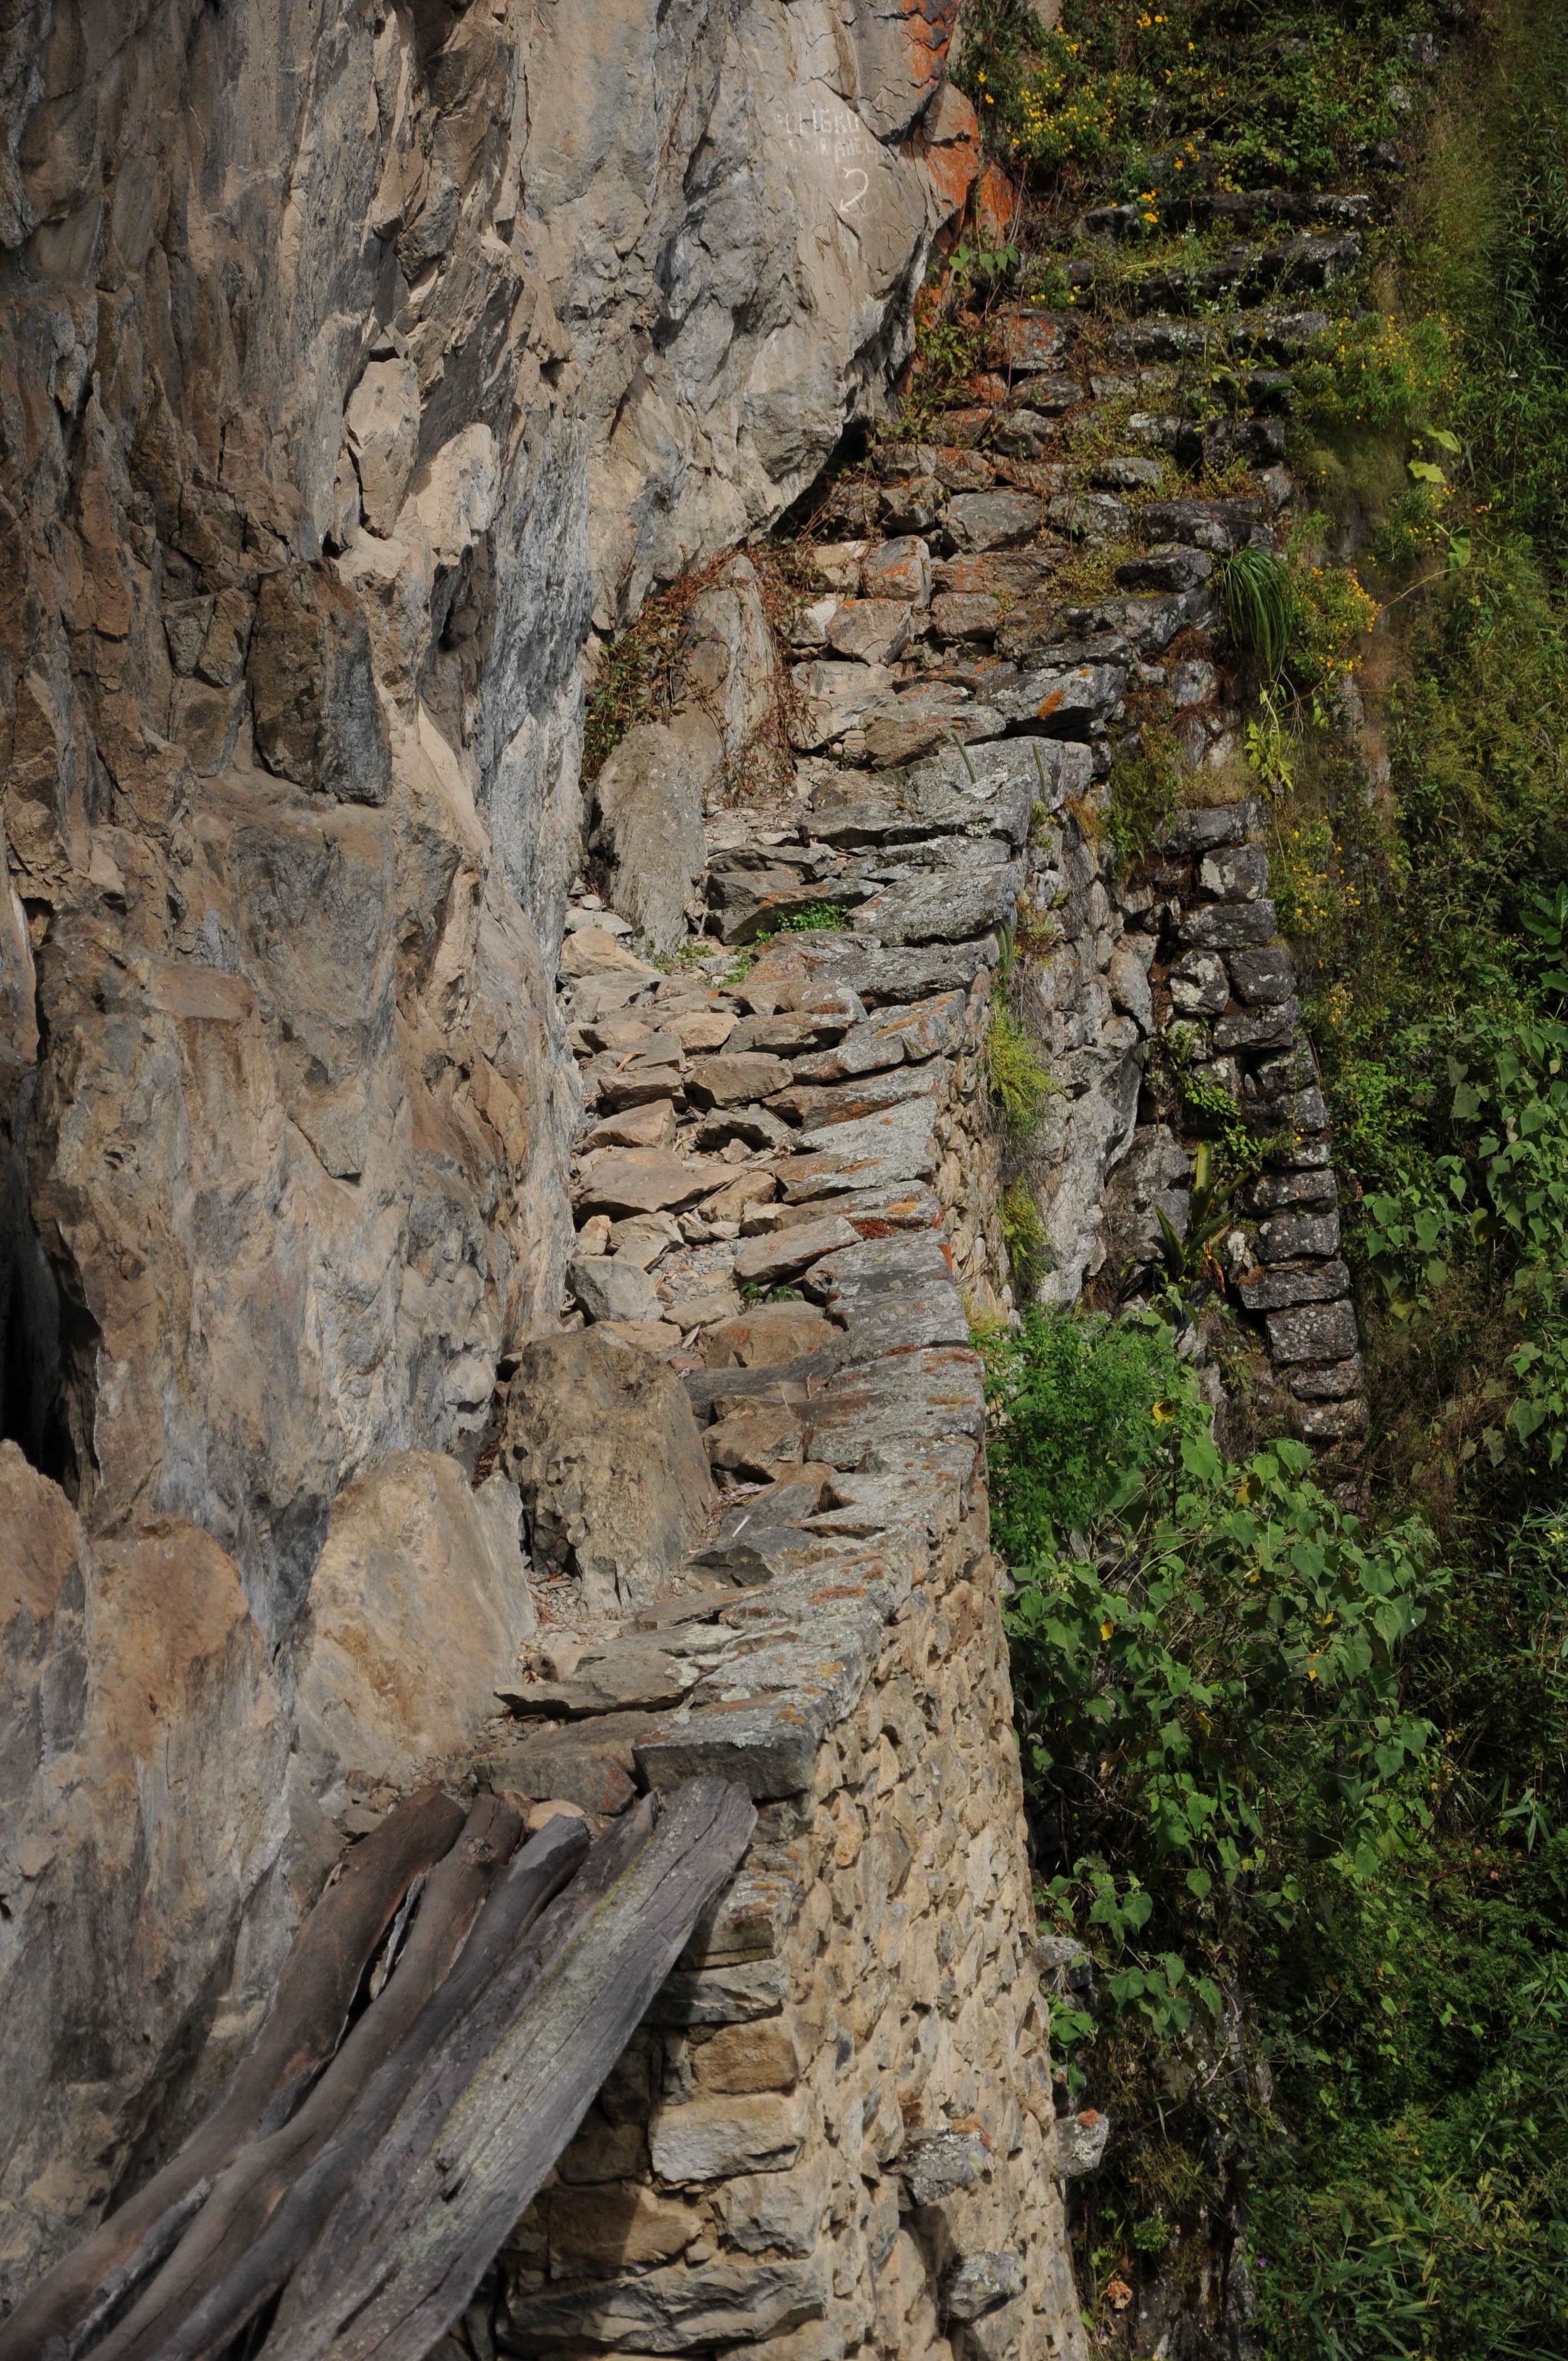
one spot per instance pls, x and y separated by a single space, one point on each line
303 2028
518 1896
459 2193
246 2192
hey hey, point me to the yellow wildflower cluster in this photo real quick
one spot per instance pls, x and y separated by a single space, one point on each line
1309 885
1334 616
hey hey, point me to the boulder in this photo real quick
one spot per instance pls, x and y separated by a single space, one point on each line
612 1286
606 1448
417 1610
650 795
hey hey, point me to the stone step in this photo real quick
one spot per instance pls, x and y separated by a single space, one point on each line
1238 209
1283 336
1291 265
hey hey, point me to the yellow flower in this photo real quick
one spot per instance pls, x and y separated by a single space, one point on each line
1105 1629
1162 1413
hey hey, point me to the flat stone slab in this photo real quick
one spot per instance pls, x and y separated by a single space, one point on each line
890 1294
1317 1332
1284 1236
769 1748
847 1102
1272 1290
1063 700
643 1180
937 909
899 1144
868 1417
1230 926
735 1995
630 1679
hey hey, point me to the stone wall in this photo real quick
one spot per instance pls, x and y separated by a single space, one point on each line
837 2133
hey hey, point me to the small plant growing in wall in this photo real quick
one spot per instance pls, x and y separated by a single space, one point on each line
1020 1084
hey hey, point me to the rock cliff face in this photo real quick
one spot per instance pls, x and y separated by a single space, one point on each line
354 358
355 363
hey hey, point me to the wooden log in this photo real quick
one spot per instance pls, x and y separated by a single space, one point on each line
246 2192
516 1900
303 2028
464 2157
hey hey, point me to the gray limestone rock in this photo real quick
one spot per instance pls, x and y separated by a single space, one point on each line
612 1288
1264 977
1081 2143
1333 1384
1268 1028
933 2163
1285 1236
1272 1291
672 2310
603 1445
1065 701
1237 873
729 1995
1316 1332
1230 926
979 2282
1198 985
1333 1422
975 521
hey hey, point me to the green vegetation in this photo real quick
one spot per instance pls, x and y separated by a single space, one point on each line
1132 101
1146 789
1259 599
1024 1236
1020 1083
1297 1775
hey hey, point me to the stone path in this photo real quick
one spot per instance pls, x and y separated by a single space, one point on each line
958 707
788 1186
